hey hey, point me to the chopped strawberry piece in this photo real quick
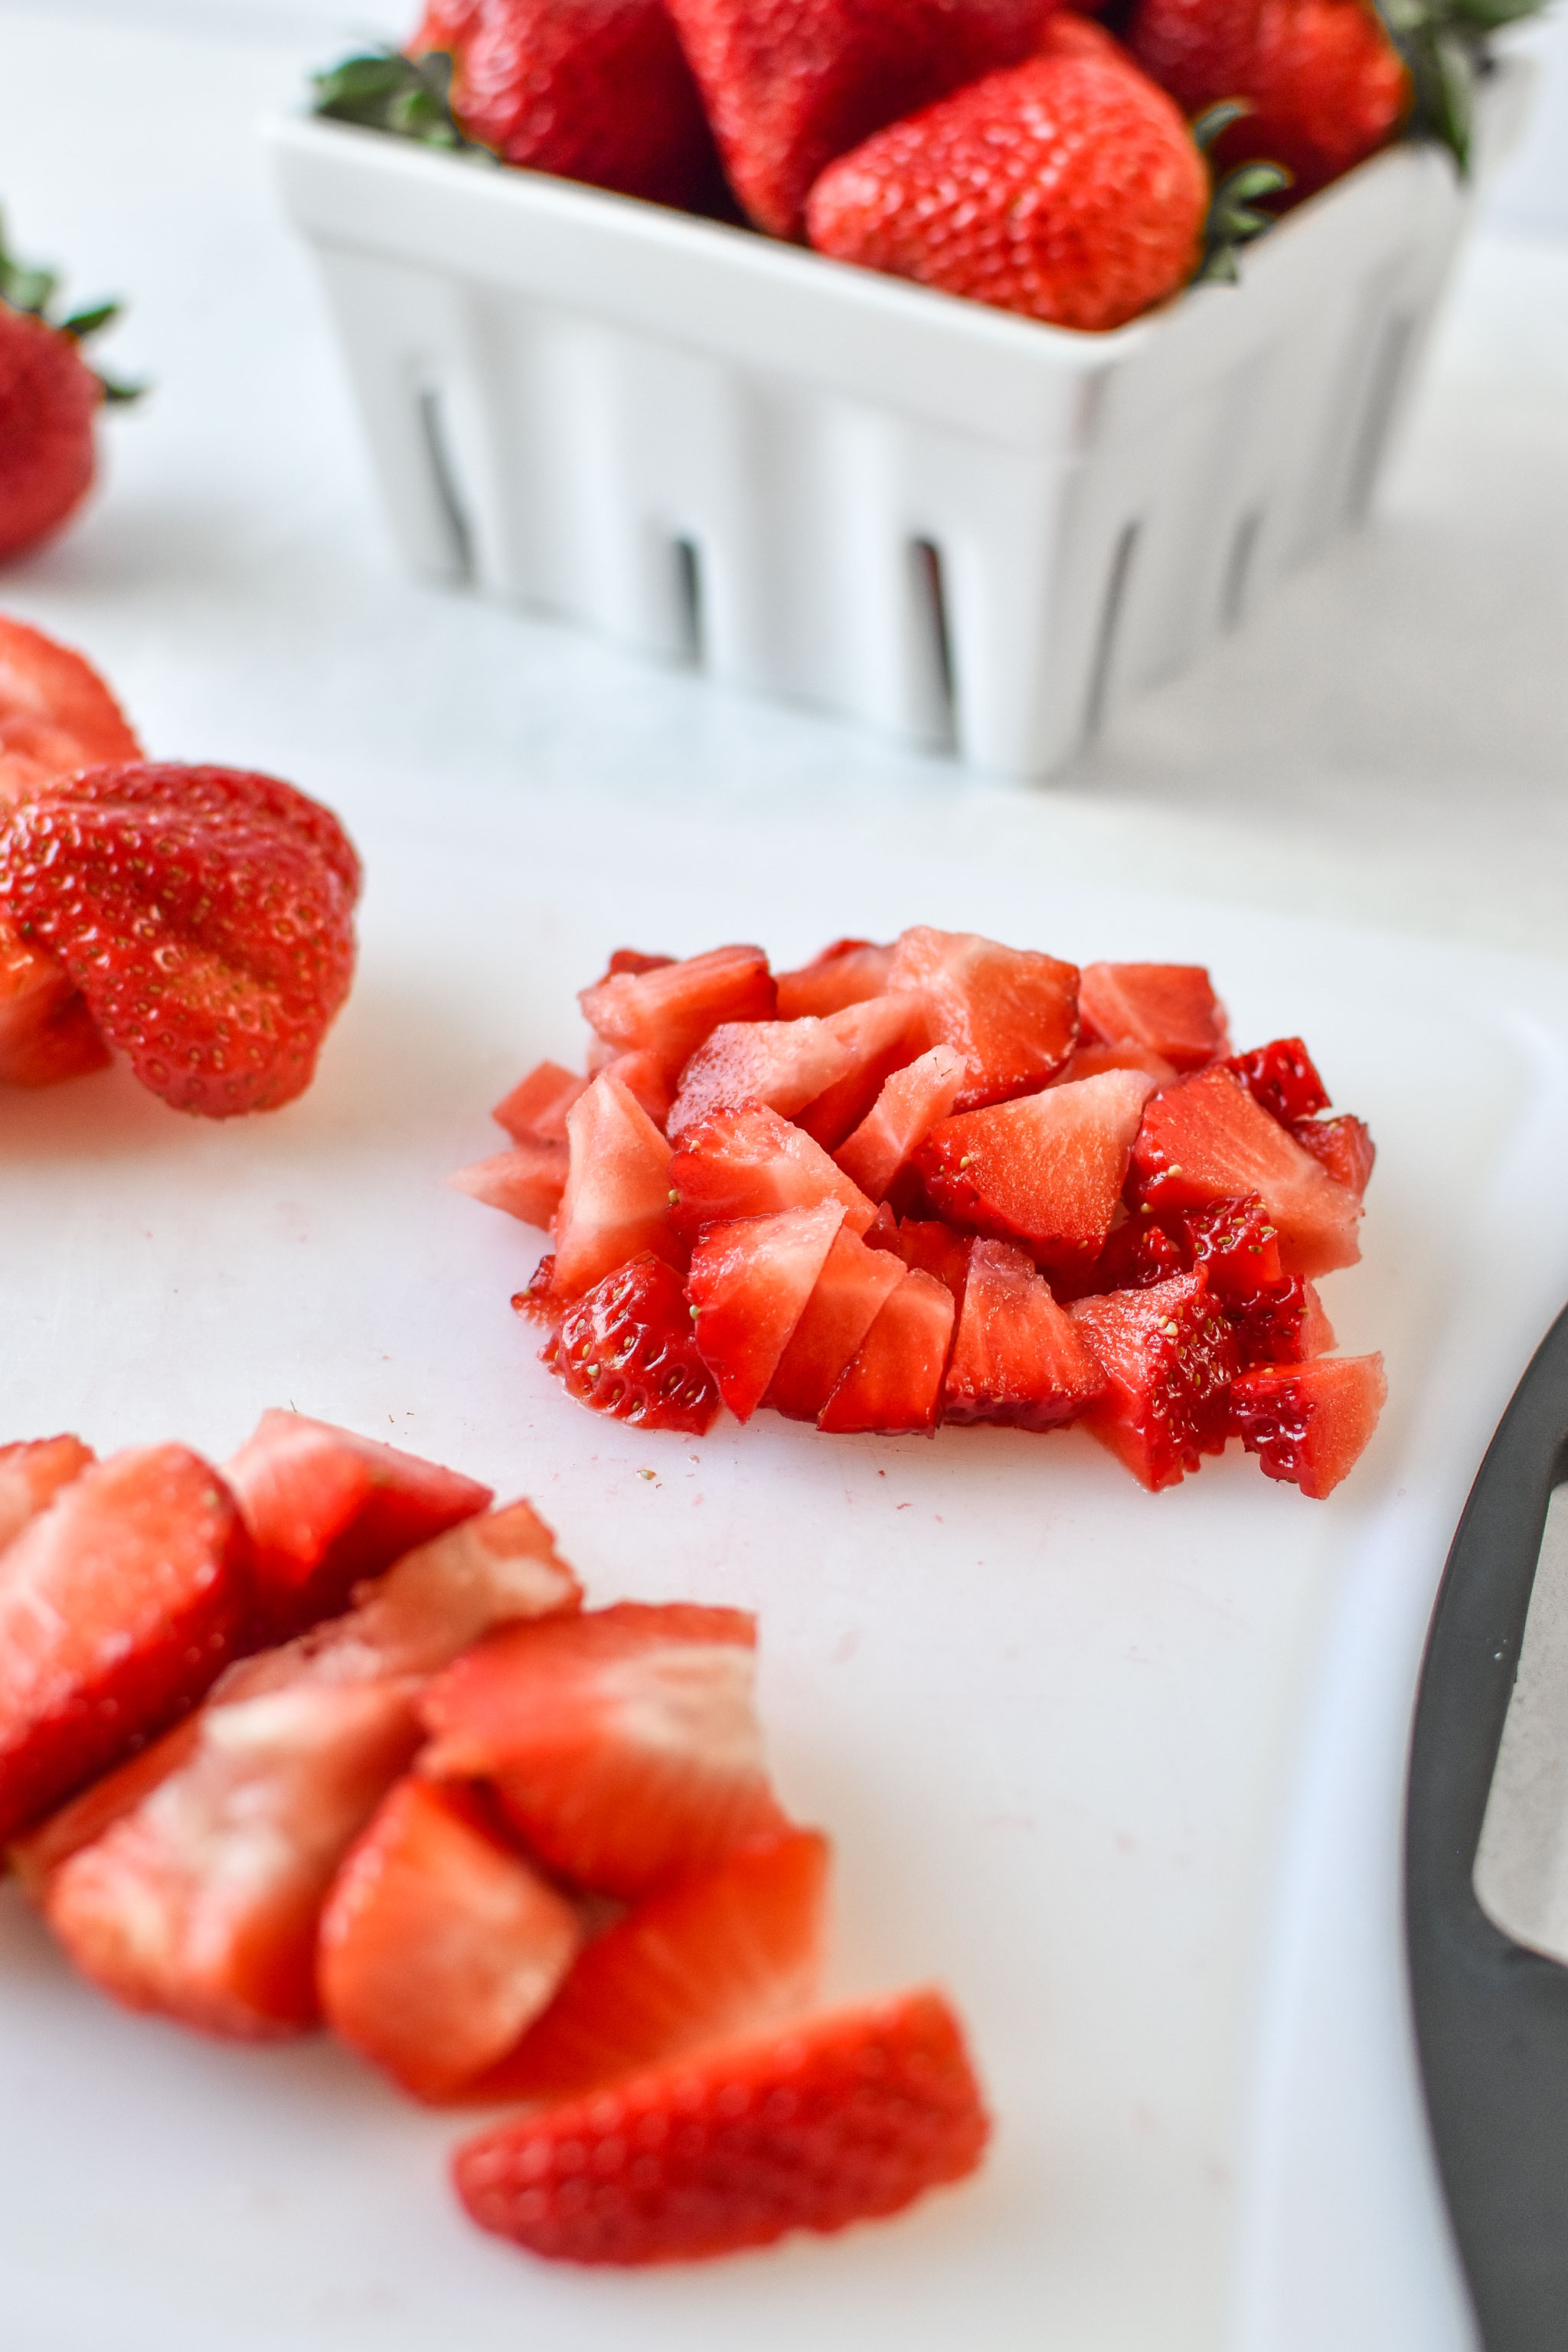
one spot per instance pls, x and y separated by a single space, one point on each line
849 1294
538 1297
500 1568
1093 1061
617 1190
1169 1355
893 1385
848 2117
642 1074
1206 1139
669 1009
623 1743
1011 1013
46 1033
882 1233
748 1287
526 1181
439 1945
1170 1009
120 1604
56 714
845 973
1238 1244
1046 1171
38 1853
883 1033
1017 1357
31 1476
633 960
1309 1423
1342 1148
752 1163
535 1110
1137 1254
882 1148
1284 1325
1282 1077
784 1064
325 1507
931 1247
627 1348
703 1960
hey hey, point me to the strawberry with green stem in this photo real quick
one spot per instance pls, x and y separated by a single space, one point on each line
49 397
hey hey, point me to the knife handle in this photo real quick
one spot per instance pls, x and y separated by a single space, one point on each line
1491 2017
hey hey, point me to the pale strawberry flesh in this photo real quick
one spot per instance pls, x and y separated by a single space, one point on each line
1010 1011
1205 1139
752 1163
748 1285
1017 1357
1309 1423
1169 1355
526 1181
893 1385
32 1473
535 1110
846 973
668 1009
783 1064
880 1152
1169 1009
1046 1171
849 1296
617 1190
883 1033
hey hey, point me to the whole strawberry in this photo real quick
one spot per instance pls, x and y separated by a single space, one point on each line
594 89
1325 85
49 398
1069 189
789 84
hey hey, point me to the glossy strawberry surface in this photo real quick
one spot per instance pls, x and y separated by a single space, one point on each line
1283 1077
1170 1009
48 400
1309 1423
627 1348
56 714
1168 1355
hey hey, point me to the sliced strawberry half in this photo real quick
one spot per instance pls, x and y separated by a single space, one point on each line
617 1189
881 1150
627 1348
893 1385
440 1944
845 973
748 1287
643 1076
1046 1171
535 1110
882 1034
1342 1148
526 1181
40 1851
623 1743
1169 1355
1282 1078
703 1960
847 2118
1309 1424
784 1064
46 1033
752 1163
1170 1009
668 1009
1012 1013
32 1473
849 1294
1205 1139
1017 1357
120 1604
325 1507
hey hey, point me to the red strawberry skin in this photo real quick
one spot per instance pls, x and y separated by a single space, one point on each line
789 84
206 915
55 712
48 400
593 89
1169 1355
1326 85
848 2117
1068 189
627 1348
1309 1423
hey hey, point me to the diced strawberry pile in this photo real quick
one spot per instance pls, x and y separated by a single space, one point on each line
507 1847
943 1181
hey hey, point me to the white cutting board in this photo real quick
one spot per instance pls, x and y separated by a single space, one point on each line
1122 1770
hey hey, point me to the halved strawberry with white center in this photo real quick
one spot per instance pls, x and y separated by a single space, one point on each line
1309 1423
535 1110
748 1287
893 1385
325 1507
1206 1139
1011 1013
1017 1357
120 1604
1046 1171
617 1189
623 1743
31 1476
784 1063
526 1181
882 1148
1168 1355
846 973
841 2119
1342 1148
668 1009
46 1033
752 1163
882 1034
440 1944
627 1348
849 1294
701 1961
1169 1008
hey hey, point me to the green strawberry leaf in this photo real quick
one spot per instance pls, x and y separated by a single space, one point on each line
1446 45
411 98
34 291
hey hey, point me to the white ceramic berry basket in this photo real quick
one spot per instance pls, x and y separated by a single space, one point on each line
957 526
